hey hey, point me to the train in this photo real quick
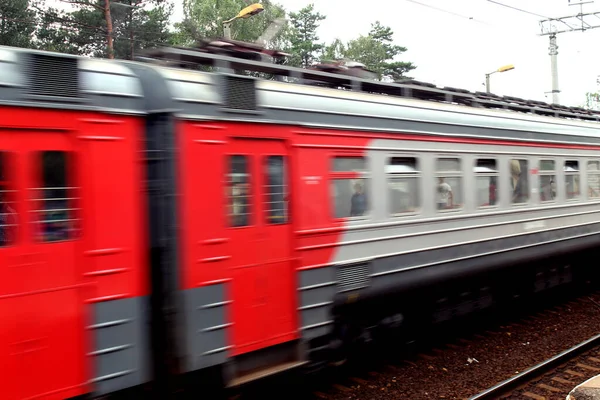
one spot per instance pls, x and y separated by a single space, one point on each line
163 220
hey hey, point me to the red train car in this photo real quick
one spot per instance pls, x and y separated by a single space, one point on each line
74 284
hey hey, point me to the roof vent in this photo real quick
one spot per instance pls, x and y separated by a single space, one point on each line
239 92
52 76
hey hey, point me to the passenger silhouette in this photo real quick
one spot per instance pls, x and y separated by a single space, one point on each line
358 201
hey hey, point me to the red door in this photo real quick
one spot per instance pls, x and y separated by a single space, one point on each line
43 282
10 246
264 302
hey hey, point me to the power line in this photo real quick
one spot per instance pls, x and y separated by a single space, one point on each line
517 9
497 28
440 9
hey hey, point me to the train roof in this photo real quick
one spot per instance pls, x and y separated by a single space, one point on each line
237 97
409 89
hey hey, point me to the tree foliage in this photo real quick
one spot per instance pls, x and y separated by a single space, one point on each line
204 19
592 101
334 51
377 52
17 23
128 26
303 40
87 29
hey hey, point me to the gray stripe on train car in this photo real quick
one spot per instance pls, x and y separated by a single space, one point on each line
120 332
317 289
318 286
389 270
206 326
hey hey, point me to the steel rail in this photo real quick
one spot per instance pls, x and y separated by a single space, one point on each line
510 384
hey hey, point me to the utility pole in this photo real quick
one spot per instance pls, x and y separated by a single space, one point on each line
554 67
227 30
553 26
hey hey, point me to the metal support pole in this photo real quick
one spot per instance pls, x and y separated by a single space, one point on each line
227 30
487 83
554 64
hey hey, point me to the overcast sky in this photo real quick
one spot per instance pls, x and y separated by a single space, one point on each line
455 43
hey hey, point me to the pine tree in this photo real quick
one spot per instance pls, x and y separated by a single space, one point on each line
304 42
17 23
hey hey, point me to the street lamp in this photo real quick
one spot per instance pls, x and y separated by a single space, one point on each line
247 12
501 69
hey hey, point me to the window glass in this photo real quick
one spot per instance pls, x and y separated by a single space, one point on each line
572 179
593 168
519 181
349 187
350 198
403 185
276 190
56 214
547 180
348 164
448 190
486 174
8 214
239 191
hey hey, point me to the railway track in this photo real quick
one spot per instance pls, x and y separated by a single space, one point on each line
553 378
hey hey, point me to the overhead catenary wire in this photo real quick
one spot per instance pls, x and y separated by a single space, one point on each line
518 9
499 29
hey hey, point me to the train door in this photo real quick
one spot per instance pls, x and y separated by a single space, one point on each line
47 347
264 299
10 246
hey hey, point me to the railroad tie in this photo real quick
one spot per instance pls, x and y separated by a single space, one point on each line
549 388
360 381
342 388
563 381
427 357
534 396
588 367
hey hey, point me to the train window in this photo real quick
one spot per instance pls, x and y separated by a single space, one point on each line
56 213
276 190
8 215
346 164
519 181
239 191
547 180
403 184
593 168
486 172
449 184
572 179
349 187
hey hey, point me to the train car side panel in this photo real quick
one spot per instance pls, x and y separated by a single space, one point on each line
114 257
329 167
44 280
206 245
